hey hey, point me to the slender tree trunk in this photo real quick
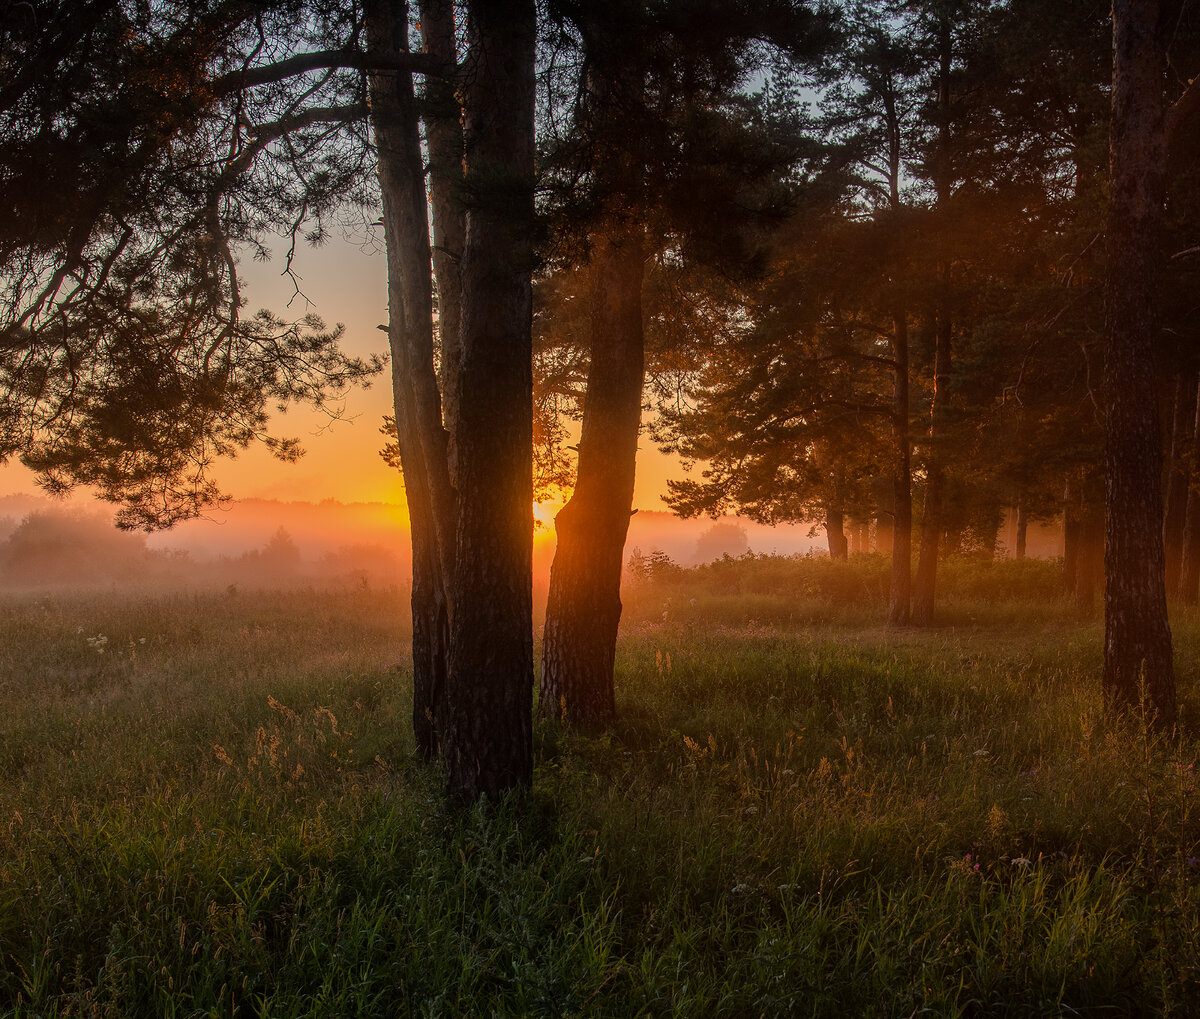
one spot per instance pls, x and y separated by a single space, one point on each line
1089 562
925 582
420 436
1189 573
931 522
1022 529
584 605
1070 537
1179 476
900 589
835 533
488 742
885 531
1137 645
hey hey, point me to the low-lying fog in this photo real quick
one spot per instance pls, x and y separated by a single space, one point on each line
261 543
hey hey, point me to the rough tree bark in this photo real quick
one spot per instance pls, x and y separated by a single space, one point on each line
1137 644
488 741
421 437
900 589
584 604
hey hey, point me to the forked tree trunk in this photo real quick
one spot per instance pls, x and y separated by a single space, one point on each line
1179 474
584 605
488 740
1137 644
900 589
420 436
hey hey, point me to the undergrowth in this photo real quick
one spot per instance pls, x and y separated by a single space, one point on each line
214 810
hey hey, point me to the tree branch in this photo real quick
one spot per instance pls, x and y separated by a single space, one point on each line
316 60
265 134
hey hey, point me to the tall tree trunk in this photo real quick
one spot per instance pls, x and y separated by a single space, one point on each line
1022 529
885 530
931 522
1179 475
1137 644
1189 573
900 588
1071 532
931 519
835 533
584 605
1089 560
420 436
488 742
925 582
442 115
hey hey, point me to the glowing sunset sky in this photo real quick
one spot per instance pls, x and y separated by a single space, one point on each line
345 281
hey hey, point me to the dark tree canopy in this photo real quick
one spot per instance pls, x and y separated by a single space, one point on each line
168 141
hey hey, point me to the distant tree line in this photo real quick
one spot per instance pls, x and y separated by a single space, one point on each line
77 549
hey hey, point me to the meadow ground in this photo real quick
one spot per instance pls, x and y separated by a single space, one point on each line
209 806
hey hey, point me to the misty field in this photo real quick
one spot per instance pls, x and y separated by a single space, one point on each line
210 806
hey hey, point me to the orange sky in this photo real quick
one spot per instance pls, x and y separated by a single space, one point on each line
345 282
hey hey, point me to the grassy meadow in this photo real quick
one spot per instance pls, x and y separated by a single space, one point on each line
209 806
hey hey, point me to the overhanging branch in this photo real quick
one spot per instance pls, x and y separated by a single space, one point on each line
317 60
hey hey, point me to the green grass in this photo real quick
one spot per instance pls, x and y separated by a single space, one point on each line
216 811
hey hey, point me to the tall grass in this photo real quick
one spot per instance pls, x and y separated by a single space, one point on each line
215 811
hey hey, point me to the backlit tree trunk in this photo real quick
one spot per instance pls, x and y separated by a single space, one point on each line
1022 530
1089 559
1137 645
900 590
584 604
1071 517
835 533
931 520
420 436
488 742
